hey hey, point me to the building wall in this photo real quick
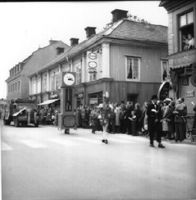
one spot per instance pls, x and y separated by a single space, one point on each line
14 88
150 68
34 63
119 90
173 27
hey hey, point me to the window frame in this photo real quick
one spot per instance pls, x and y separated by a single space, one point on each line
139 68
164 60
179 28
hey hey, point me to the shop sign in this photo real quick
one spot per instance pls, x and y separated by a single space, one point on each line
190 93
92 61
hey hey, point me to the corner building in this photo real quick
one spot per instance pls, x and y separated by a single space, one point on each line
125 61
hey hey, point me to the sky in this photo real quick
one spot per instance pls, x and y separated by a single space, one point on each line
26 26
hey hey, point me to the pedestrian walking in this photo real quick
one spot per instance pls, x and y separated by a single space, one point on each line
154 113
117 111
94 121
104 119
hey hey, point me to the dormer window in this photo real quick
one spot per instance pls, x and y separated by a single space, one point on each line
59 50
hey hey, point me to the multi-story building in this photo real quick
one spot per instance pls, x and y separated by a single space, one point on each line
18 83
125 61
182 48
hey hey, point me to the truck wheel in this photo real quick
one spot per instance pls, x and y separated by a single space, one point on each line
16 123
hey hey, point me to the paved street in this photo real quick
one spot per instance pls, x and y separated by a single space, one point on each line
44 164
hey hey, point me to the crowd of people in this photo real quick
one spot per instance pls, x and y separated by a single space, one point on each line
155 119
48 115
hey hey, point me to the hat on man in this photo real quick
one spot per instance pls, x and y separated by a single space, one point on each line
154 97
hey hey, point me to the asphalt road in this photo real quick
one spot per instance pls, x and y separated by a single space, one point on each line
44 164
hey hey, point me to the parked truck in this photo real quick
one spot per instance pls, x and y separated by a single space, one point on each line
22 112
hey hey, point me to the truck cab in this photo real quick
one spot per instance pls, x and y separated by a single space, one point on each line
21 112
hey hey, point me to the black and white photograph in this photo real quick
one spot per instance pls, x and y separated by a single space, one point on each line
98 100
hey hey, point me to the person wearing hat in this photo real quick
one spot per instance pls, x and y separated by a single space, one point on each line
154 117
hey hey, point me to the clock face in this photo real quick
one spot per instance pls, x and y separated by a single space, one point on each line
69 79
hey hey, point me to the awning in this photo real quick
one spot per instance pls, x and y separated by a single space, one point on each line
48 102
181 66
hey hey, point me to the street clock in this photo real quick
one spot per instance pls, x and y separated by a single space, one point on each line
69 79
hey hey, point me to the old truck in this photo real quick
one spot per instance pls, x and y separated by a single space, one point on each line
22 112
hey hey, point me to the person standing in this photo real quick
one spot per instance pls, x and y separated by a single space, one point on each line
180 121
104 118
117 118
128 117
154 112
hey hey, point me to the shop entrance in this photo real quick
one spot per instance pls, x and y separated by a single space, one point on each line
95 98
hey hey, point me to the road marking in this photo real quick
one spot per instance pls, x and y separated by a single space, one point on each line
130 138
118 140
32 144
63 142
6 147
88 140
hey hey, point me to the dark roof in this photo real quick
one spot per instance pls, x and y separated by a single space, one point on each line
132 30
125 29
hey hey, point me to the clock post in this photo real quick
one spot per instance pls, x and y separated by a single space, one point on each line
67 106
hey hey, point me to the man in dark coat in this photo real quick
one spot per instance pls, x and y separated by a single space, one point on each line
153 112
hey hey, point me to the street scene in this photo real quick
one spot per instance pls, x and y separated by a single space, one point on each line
46 164
98 106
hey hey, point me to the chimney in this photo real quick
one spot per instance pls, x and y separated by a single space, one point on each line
52 41
73 41
118 14
90 31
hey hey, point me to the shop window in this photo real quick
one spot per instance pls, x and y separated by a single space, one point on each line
186 31
133 65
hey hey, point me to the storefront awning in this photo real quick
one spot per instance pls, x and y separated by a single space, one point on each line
181 66
48 102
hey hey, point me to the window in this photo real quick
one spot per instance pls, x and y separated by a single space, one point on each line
78 69
92 76
44 82
164 70
52 81
18 85
186 31
133 65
